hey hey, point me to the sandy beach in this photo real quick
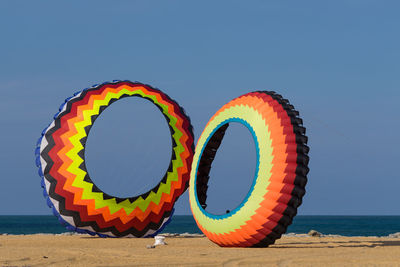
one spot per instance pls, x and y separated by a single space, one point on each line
84 250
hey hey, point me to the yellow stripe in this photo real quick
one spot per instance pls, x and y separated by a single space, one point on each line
255 119
80 174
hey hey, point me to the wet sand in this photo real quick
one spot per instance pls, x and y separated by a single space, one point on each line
84 250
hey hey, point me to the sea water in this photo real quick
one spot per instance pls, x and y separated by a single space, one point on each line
336 225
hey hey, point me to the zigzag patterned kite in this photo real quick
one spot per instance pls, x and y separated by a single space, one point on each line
75 199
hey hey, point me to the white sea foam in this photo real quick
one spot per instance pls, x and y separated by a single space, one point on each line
394 235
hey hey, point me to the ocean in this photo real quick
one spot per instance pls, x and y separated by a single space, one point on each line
336 225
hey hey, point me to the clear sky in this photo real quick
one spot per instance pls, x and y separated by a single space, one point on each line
338 62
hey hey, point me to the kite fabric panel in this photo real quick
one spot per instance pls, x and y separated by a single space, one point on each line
280 176
77 202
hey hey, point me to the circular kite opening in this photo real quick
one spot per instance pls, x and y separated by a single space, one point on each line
116 156
76 200
235 157
280 176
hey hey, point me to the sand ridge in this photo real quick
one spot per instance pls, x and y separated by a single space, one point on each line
84 250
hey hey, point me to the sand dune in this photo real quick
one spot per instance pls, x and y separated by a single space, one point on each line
83 250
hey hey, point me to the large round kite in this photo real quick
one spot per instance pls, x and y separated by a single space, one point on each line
280 176
76 200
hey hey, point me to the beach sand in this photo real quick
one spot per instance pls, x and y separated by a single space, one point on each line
84 250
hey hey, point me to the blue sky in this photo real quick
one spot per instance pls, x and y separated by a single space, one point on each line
338 62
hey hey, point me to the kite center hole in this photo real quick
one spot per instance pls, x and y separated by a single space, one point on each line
233 169
128 150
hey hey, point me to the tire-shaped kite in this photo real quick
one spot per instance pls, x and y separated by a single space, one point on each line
280 176
77 202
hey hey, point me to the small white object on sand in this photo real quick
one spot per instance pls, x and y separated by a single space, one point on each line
159 240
